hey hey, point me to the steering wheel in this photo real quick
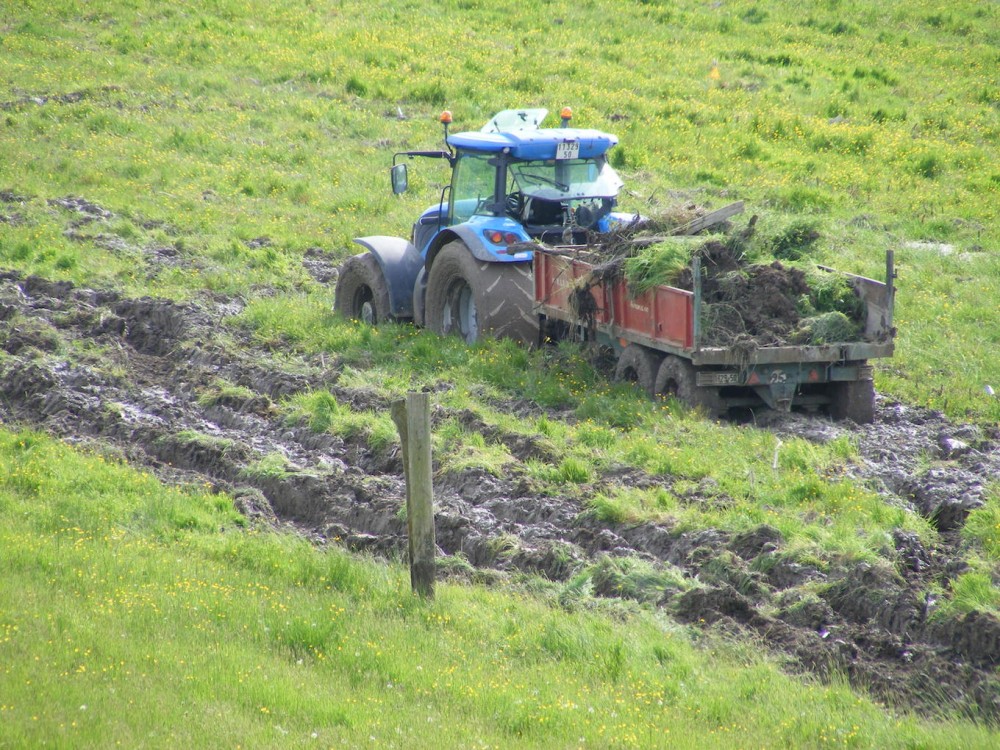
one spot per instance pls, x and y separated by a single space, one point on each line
515 204
587 215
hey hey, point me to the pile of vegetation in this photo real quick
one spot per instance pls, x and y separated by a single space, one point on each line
757 289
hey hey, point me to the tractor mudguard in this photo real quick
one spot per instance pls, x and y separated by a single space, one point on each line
419 297
400 263
473 240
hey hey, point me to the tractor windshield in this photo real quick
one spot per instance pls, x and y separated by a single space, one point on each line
569 179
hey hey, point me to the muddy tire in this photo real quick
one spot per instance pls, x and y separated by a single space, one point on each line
854 400
472 299
362 293
676 378
639 365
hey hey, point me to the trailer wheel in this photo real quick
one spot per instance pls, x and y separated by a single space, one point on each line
638 364
854 400
469 298
676 378
362 293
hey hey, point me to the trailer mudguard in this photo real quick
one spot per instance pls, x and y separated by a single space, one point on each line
400 263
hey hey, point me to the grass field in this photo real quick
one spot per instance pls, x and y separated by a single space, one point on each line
134 615
171 149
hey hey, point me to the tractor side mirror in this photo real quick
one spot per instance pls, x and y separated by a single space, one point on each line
398 175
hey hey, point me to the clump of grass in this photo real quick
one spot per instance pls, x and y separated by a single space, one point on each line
732 570
801 198
825 328
609 509
662 263
983 526
461 450
571 470
198 439
635 578
793 241
324 413
928 166
222 391
270 466
972 591
356 87
574 470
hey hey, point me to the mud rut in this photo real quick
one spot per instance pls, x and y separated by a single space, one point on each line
125 375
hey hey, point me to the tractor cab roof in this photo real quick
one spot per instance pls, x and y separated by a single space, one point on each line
516 132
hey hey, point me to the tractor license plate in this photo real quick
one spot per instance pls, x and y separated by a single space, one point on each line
568 150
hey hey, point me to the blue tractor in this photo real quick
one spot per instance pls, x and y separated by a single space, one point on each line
467 267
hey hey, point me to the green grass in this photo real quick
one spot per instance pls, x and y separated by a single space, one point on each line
324 413
205 129
983 525
227 140
460 450
132 613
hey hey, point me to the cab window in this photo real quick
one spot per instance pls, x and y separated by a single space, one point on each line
472 189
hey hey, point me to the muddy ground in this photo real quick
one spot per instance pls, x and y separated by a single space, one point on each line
140 378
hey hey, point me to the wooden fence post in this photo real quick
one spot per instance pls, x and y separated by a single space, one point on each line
413 421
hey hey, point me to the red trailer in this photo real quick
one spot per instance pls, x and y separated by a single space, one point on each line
657 337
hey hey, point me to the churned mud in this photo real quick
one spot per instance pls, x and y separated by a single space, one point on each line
172 387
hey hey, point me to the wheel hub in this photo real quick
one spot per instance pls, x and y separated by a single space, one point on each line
460 313
368 312
364 306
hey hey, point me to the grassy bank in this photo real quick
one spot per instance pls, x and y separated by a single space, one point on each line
134 614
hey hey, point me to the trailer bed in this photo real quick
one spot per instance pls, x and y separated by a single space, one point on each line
666 321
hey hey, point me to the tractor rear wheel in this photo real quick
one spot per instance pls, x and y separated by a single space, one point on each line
362 293
638 364
472 299
677 378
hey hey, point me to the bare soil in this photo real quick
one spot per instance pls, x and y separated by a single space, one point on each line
130 376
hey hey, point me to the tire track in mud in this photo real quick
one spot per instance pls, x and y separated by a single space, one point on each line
129 375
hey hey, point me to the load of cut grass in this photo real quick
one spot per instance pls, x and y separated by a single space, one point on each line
662 263
670 219
828 292
825 328
792 242
745 304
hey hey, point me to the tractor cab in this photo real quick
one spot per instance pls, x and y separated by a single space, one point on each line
522 180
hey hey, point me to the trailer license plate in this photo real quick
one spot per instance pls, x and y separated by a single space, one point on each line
718 378
568 150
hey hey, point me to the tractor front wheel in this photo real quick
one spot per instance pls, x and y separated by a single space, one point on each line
472 299
362 293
